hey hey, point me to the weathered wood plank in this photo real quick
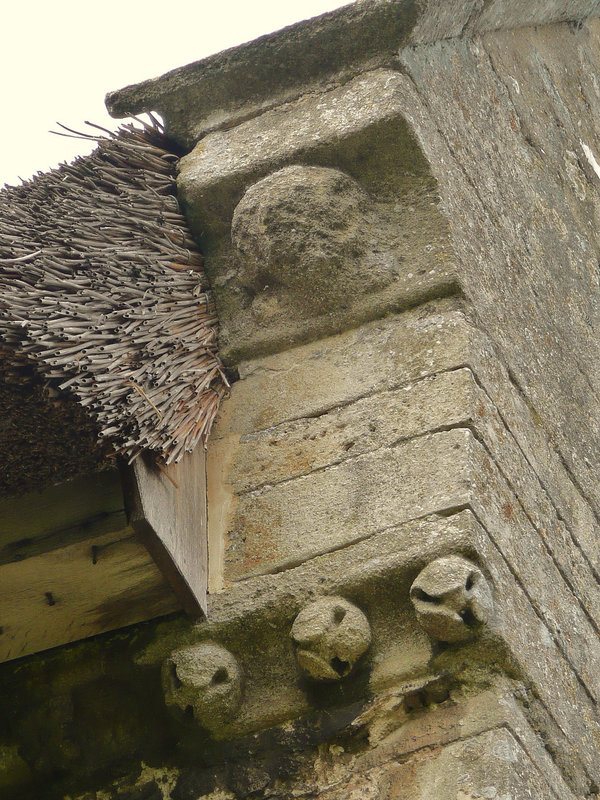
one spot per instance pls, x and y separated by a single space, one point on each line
86 588
167 508
37 522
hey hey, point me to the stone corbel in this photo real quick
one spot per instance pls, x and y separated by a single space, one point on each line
316 216
333 631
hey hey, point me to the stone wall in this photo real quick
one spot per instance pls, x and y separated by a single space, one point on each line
403 511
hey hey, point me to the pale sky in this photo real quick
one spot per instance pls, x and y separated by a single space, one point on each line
58 59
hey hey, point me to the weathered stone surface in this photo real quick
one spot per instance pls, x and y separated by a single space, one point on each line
267 534
534 650
312 129
206 679
330 635
525 552
531 644
517 623
539 174
443 20
491 765
347 502
303 234
378 572
299 387
244 81
411 764
291 449
447 399
456 18
478 413
452 599
488 728
347 429
463 718
317 377
375 575
319 248
551 501
500 14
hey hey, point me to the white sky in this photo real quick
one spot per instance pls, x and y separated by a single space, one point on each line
58 59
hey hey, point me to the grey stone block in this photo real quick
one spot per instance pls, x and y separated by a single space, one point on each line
537 657
530 238
376 575
274 528
224 89
314 378
529 560
253 618
464 718
561 534
492 765
303 445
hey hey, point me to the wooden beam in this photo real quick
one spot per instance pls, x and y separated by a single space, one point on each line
167 509
61 515
80 590
71 566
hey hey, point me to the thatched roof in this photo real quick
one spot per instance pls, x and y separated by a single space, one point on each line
104 308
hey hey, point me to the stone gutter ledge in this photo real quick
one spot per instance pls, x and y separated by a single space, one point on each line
237 84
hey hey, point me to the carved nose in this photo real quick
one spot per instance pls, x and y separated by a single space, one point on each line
452 599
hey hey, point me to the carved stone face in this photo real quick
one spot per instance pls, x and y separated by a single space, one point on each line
205 678
330 634
452 599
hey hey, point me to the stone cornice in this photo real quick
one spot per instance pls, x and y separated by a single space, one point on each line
242 82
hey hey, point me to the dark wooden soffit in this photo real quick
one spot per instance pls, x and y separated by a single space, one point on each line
72 567
102 552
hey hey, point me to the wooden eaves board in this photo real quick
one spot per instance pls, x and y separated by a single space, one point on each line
72 565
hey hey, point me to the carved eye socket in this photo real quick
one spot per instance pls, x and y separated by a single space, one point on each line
468 617
220 676
424 597
338 615
470 582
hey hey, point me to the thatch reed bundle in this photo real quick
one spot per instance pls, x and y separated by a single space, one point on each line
102 291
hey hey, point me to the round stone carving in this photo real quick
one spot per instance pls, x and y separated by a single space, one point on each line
452 599
205 678
303 232
330 635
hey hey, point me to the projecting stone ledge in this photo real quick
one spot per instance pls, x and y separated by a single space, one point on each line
232 86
